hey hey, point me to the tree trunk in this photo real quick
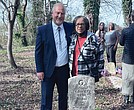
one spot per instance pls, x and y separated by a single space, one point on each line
92 8
11 15
38 16
24 40
9 45
1 47
24 31
11 20
127 9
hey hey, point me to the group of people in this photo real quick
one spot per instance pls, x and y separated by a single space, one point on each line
65 50
126 39
108 40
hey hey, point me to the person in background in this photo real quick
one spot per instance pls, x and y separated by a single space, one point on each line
111 43
85 55
127 40
51 58
100 33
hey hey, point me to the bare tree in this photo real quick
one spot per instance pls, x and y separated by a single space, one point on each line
111 11
11 15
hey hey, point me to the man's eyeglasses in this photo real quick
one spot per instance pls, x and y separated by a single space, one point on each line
80 24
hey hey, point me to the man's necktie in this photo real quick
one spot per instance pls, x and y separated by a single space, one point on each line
59 28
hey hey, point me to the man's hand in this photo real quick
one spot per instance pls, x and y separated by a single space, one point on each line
40 75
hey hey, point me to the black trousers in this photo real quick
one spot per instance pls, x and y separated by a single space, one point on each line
60 78
111 53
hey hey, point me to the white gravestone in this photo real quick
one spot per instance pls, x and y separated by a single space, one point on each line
81 95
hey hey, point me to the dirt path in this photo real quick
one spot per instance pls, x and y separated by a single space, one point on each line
20 88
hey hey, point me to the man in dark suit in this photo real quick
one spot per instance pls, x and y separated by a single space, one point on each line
51 57
127 40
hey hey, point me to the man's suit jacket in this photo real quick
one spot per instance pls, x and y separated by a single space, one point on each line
127 40
45 50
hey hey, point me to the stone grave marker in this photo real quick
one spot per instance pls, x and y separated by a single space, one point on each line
110 67
81 95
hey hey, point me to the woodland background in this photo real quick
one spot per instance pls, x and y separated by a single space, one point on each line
19 86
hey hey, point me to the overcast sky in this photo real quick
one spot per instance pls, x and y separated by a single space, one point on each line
108 13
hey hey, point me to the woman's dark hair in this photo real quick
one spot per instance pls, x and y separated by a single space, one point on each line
113 26
102 23
84 19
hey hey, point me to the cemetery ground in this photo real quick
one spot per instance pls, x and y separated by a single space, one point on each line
20 88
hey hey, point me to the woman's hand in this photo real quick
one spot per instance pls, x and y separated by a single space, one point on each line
115 47
40 75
